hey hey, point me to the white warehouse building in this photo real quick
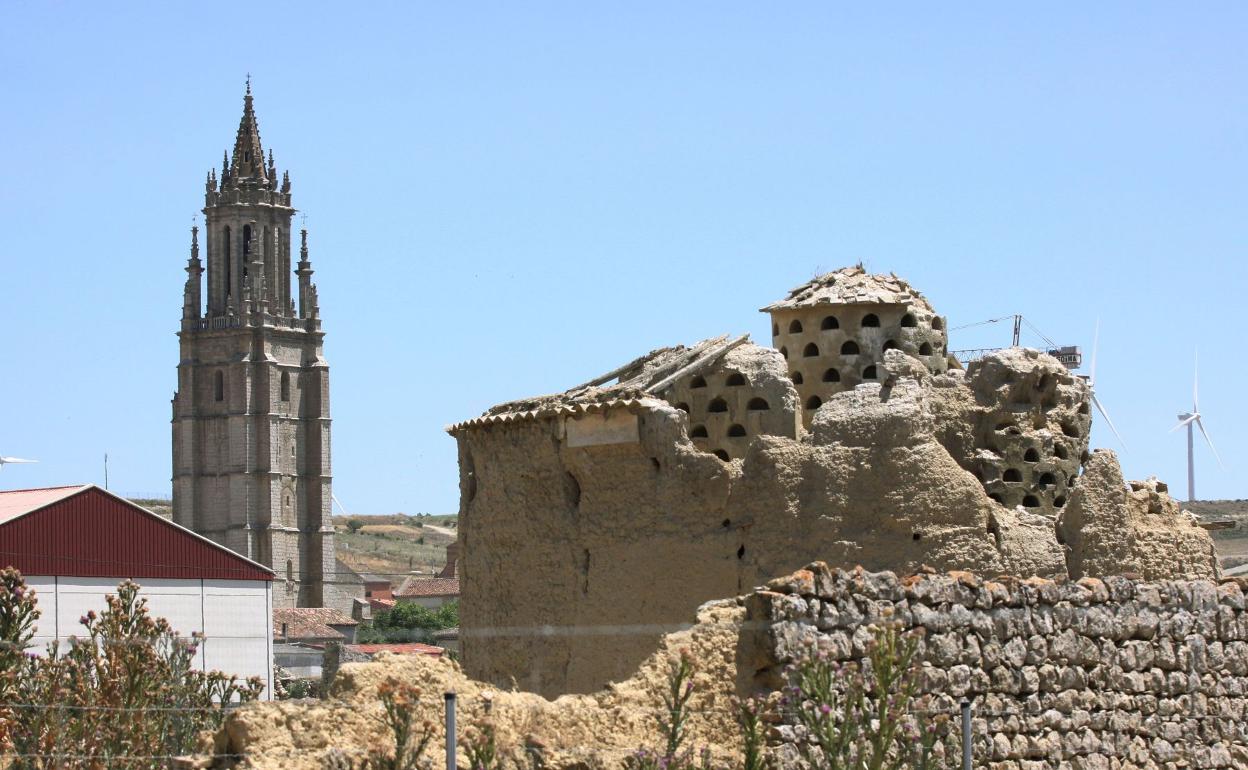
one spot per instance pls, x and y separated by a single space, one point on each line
73 545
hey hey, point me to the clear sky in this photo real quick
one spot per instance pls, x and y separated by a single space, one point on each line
507 199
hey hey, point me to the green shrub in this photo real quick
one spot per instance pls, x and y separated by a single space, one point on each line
127 688
409 622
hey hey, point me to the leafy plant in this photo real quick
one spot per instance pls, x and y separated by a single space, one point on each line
673 725
127 688
409 622
481 747
750 719
858 719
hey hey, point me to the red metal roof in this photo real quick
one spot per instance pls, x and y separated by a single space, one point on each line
86 531
19 502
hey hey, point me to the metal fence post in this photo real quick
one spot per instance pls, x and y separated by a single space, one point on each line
450 731
966 734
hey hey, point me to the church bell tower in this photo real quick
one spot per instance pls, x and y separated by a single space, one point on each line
251 461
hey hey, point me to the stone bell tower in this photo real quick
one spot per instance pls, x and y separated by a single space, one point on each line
251 462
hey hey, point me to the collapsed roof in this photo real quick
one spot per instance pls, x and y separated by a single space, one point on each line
625 386
852 286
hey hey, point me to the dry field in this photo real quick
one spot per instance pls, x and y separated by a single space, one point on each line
394 546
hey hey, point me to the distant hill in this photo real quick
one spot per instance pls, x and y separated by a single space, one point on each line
162 507
391 545
1232 544
394 545
1221 509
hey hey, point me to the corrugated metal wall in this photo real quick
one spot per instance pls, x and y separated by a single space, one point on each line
92 534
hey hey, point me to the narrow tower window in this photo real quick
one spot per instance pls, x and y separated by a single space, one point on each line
285 386
226 263
218 386
246 240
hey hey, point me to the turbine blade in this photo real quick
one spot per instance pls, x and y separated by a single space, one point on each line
1096 342
341 507
1097 402
1195 376
1183 422
1209 441
16 460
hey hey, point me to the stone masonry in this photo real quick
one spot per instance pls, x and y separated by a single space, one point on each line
1095 673
251 426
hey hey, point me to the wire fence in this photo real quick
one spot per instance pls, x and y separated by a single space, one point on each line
967 728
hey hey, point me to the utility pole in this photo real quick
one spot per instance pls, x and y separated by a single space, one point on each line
1018 328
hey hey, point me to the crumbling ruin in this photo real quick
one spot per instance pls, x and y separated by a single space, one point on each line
592 519
1062 674
834 331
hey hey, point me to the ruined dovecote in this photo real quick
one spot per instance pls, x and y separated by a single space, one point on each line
733 399
833 332
1031 430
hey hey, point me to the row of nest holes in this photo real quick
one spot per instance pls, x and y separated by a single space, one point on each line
1069 429
1032 455
733 380
851 348
1014 474
719 405
1031 501
834 375
734 431
869 321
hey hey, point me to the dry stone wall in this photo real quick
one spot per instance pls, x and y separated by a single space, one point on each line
1095 673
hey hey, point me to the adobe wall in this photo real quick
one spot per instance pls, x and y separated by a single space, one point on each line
1098 673
588 533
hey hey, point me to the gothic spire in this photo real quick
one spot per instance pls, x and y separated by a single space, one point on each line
248 161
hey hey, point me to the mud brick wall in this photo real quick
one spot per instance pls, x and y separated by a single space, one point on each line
1095 673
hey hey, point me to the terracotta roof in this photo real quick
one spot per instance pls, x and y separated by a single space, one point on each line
851 286
417 587
19 502
310 623
410 648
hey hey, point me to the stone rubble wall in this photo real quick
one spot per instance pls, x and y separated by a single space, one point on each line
1093 674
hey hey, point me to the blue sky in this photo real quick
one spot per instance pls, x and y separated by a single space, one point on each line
508 199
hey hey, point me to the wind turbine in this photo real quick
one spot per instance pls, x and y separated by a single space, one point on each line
1096 342
1189 419
14 460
